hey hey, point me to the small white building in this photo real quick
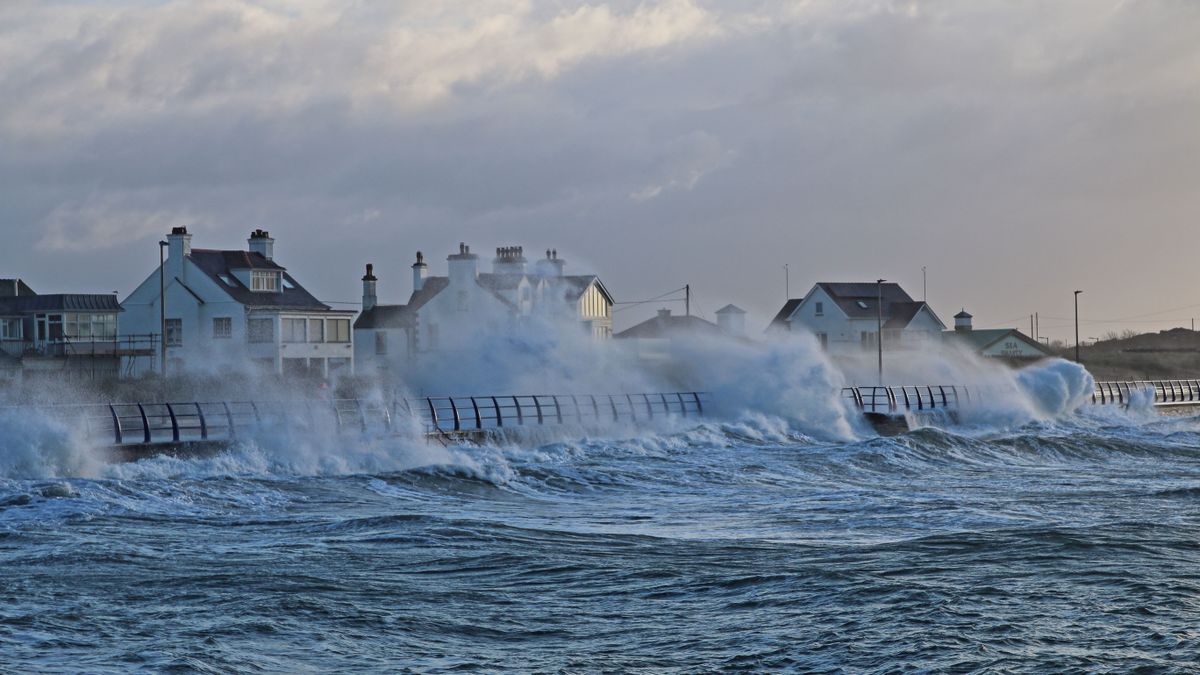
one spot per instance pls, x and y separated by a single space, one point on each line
234 309
999 343
845 317
447 313
657 338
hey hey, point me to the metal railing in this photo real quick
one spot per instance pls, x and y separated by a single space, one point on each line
125 424
899 399
477 413
1164 392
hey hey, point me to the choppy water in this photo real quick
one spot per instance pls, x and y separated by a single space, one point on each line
1063 546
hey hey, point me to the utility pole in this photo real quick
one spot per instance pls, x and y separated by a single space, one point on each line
1031 329
162 310
1077 326
1037 327
687 299
879 320
924 286
787 284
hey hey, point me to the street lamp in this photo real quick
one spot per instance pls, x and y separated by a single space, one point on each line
162 310
1077 324
879 320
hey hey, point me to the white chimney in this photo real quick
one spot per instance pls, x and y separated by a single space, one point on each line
179 246
369 299
463 267
420 271
962 321
551 265
509 260
731 319
262 244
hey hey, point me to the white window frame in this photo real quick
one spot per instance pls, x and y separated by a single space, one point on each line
222 327
174 332
338 330
264 282
316 330
287 330
6 329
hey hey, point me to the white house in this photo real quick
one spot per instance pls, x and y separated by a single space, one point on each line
444 313
1000 343
234 309
845 317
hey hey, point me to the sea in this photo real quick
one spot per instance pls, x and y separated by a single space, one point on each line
1068 543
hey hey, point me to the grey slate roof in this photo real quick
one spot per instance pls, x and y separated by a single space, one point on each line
848 297
385 316
664 326
731 309
11 287
780 320
216 263
59 302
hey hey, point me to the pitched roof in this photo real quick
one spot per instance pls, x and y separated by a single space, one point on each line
861 300
385 316
781 318
902 314
575 285
429 290
11 287
979 340
662 326
731 309
499 282
219 266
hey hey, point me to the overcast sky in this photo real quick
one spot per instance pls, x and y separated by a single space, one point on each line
1019 150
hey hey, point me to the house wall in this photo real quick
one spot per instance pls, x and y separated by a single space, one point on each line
196 306
391 364
1012 347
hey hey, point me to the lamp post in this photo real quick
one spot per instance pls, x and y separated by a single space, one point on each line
787 284
1077 324
162 310
879 323
924 286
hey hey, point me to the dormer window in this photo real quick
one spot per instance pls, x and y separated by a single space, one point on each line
228 280
264 282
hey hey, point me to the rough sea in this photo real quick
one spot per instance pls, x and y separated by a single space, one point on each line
1062 545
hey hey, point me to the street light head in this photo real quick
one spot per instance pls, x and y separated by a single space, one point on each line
1078 292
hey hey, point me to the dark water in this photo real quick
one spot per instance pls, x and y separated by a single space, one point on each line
1058 547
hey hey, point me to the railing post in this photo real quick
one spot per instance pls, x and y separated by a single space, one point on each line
116 419
499 417
613 404
578 412
362 413
537 405
557 409
174 423
433 414
699 407
682 407
595 409
145 422
520 413
229 420
454 409
632 412
203 422
478 419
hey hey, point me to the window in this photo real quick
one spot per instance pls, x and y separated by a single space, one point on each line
287 284
90 326
56 327
174 332
823 338
339 330
228 280
380 343
862 305
294 330
222 327
10 329
260 330
266 282
316 330
819 310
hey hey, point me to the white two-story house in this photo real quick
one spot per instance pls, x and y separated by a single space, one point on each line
447 313
845 317
236 309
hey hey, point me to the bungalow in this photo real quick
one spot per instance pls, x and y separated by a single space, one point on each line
845 317
61 335
442 312
654 339
234 308
1000 343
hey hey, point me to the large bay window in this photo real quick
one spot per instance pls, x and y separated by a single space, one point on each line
260 330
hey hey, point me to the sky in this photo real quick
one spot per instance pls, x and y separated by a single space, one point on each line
1016 149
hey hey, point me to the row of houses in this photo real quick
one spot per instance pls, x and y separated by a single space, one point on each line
212 309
